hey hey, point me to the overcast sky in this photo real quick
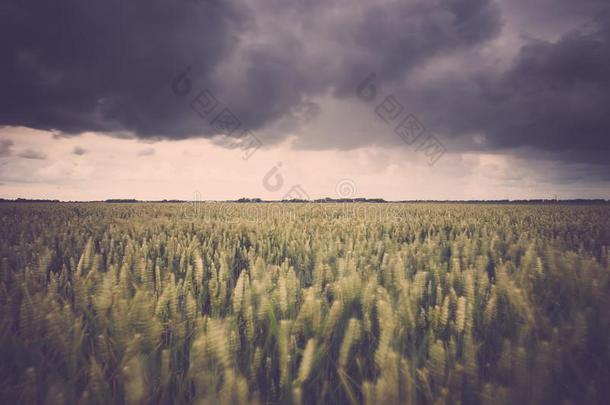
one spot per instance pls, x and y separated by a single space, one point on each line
410 99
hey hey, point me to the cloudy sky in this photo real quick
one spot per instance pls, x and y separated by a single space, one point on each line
410 99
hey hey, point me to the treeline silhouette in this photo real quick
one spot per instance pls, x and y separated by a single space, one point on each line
322 200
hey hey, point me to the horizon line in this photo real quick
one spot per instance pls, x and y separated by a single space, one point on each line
324 200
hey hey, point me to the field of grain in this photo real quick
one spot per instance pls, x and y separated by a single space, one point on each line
304 303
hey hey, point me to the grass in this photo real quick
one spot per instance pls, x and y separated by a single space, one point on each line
304 303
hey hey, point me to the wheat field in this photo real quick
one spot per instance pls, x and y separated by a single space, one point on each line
304 303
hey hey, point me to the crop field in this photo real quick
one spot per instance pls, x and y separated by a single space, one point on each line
304 303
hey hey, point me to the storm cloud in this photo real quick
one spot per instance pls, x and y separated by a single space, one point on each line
107 66
553 97
114 67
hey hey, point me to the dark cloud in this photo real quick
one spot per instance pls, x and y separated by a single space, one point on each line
309 48
79 151
392 40
79 66
554 97
6 146
113 66
32 154
542 18
107 66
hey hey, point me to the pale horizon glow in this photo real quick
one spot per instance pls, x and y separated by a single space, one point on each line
98 167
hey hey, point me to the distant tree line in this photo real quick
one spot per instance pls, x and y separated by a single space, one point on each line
329 200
